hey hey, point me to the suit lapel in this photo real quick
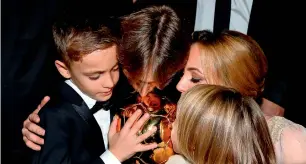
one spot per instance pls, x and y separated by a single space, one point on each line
222 15
94 138
258 12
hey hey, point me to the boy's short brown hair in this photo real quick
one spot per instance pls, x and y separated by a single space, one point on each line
76 38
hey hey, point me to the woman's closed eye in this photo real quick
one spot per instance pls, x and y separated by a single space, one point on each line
115 68
195 80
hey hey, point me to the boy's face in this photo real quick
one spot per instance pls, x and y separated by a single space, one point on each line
97 73
143 87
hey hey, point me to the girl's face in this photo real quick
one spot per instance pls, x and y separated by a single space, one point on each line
174 137
193 72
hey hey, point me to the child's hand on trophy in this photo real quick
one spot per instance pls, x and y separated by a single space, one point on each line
125 143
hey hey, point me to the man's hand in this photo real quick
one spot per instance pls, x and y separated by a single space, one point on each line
31 130
125 143
271 109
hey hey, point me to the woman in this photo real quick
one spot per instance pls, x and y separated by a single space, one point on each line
234 60
232 127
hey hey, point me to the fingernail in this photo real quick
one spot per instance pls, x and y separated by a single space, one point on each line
147 115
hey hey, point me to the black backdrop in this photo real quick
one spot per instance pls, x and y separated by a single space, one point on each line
27 55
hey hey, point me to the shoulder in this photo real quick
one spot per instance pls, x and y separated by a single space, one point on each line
57 113
279 126
289 140
177 159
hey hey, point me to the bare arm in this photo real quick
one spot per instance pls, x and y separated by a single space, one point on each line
271 109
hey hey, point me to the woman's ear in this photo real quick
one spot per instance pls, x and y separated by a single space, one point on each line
62 69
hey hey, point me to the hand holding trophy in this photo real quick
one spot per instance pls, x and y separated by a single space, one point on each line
162 115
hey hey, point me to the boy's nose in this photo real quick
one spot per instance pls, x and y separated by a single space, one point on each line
109 81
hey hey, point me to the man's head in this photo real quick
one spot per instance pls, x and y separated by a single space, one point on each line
89 56
153 48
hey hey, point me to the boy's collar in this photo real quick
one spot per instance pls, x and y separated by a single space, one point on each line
88 100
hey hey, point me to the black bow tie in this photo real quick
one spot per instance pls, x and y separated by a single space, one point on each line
100 105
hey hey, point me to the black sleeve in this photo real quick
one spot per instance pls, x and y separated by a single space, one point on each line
57 140
276 91
269 30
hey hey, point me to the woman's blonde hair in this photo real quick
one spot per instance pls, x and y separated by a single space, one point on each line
218 125
234 60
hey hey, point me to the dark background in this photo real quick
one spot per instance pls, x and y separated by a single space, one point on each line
28 53
27 58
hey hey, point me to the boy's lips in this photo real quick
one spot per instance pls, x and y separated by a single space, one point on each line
107 93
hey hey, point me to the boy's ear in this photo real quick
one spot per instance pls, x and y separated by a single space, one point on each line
62 69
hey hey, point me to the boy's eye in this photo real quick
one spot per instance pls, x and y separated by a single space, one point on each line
195 80
94 77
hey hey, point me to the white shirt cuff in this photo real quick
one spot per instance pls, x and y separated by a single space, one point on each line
109 158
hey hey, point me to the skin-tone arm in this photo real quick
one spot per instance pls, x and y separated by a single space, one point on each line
271 109
31 131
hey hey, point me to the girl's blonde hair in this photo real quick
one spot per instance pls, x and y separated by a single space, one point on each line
218 125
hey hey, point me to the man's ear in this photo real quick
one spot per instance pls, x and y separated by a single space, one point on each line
62 69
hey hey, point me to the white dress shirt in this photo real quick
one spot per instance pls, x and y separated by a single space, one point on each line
239 19
103 119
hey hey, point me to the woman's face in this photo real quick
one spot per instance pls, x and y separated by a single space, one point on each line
193 72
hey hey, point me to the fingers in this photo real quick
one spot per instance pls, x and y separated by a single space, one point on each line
31 144
146 135
139 123
33 117
129 123
32 137
32 127
113 127
146 147
42 103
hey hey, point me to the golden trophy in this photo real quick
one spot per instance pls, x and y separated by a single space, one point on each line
162 115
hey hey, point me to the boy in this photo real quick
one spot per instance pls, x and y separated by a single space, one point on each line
89 63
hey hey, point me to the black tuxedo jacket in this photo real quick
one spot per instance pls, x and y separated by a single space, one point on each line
27 60
268 21
277 26
72 133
